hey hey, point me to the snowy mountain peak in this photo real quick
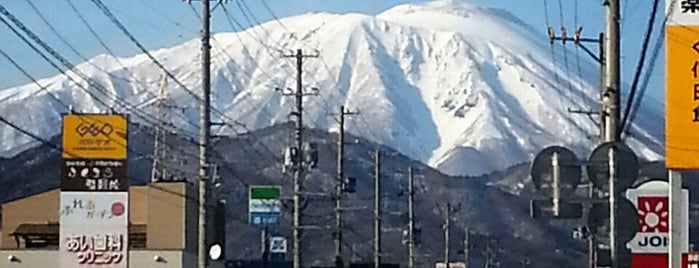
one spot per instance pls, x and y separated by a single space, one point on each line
466 89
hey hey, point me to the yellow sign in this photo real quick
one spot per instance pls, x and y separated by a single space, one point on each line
94 136
682 97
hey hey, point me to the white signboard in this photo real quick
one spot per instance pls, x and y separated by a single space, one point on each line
651 201
94 208
94 229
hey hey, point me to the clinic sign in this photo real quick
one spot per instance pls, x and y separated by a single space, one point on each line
652 237
682 85
93 229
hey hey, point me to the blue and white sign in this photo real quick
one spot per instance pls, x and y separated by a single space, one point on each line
264 205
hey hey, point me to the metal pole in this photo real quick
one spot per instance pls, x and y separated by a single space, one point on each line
338 190
204 131
265 247
613 247
411 241
556 183
676 224
377 209
446 235
298 172
612 71
591 247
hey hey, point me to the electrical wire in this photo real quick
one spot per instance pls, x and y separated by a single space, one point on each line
639 66
74 50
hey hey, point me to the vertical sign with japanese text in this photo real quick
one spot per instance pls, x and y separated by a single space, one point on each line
94 201
682 85
264 205
93 229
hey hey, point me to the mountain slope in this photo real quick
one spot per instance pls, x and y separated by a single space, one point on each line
465 89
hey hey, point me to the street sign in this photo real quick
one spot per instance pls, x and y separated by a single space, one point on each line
264 205
651 201
598 220
682 85
542 171
277 244
627 163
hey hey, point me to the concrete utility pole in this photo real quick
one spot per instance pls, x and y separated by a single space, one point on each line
299 171
338 187
447 220
204 130
611 102
377 209
467 235
411 222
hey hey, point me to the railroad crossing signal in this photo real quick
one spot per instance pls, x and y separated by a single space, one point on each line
598 168
555 173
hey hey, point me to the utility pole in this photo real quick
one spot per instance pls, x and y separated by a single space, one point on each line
204 130
447 219
611 102
338 187
411 222
488 254
467 235
299 171
377 209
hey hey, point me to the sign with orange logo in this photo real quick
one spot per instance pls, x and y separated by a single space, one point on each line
94 136
682 87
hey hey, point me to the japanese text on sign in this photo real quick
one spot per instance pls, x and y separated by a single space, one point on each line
690 6
682 96
94 175
98 249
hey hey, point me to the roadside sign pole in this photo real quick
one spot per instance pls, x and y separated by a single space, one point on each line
613 247
675 231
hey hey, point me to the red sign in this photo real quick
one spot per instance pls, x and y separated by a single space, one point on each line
653 261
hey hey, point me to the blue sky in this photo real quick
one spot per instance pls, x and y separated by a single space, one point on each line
162 23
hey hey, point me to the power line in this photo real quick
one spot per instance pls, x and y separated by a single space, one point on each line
639 66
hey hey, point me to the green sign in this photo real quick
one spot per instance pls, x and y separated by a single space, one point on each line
264 205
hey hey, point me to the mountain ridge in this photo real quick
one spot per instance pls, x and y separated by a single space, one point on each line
469 91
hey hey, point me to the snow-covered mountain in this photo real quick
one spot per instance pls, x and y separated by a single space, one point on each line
465 89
